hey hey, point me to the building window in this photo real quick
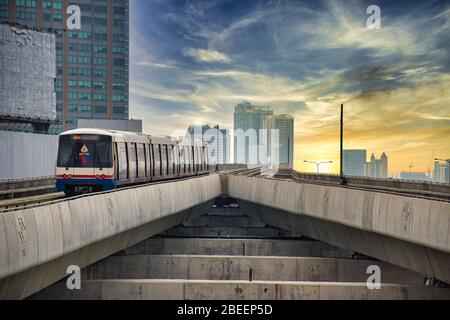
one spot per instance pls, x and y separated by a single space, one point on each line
100 97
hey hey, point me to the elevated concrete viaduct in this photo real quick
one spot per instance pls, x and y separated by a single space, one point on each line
407 231
38 243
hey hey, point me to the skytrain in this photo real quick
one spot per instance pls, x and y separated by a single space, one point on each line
93 160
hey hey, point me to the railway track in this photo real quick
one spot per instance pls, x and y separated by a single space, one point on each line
6 205
417 189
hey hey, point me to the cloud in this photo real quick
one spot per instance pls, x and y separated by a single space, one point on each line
304 58
208 56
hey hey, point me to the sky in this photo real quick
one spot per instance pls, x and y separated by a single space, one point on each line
193 61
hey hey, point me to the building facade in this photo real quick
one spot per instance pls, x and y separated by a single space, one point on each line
415 176
91 63
248 121
377 168
354 162
441 172
284 125
219 152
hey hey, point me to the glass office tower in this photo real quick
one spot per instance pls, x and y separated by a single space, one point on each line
92 73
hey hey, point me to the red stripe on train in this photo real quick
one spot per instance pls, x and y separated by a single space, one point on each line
69 176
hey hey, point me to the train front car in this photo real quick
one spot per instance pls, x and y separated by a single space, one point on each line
85 162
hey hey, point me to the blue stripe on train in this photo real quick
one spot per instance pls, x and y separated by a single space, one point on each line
62 184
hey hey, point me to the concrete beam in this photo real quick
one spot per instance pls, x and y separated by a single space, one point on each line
191 267
236 290
236 247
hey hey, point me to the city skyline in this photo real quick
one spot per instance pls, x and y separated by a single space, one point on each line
195 62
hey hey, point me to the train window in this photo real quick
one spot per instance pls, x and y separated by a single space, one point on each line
189 158
170 159
123 163
164 159
157 152
141 160
84 154
132 160
103 155
176 157
65 153
147 160
152 160
182 163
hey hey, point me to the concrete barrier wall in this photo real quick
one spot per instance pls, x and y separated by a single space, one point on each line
27 155
34 236
419 221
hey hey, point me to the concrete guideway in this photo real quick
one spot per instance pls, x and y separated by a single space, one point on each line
37 244
202 268
52 237
407 231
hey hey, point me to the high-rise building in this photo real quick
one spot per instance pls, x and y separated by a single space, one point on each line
377 168
248 121
354 162
285 126
219 152
91 63
441 172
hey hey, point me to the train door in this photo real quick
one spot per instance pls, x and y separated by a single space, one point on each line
103 160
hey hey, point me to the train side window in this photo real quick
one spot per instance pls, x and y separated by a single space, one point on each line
164 159
182 166
152 156
176 156
148 162
132 157
141 160
205 158
122 160
194 159
127 153
169 159
189 158
157 150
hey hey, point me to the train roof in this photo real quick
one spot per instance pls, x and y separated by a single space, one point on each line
124 136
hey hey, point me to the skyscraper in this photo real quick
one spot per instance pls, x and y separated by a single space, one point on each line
91 63
441 172
354 162
377 168
285 126
248 121
219 153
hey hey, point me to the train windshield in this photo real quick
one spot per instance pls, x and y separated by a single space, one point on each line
87 151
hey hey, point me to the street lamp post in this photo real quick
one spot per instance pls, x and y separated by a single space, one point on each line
318 164
448 163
